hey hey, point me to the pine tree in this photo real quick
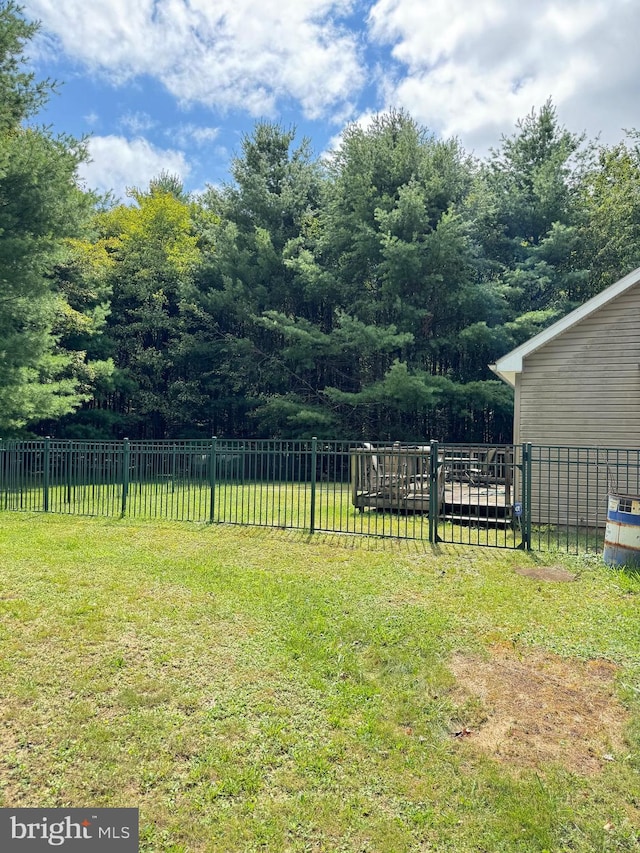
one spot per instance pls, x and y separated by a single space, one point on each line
41 206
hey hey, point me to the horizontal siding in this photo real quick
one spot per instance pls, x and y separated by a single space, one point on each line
618 380
583 389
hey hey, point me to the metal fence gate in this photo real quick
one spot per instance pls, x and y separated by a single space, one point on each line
483 501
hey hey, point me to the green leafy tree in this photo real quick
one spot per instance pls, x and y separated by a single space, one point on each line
272 200
83 297
391 251
41 206
144 257
362 295
610 232
525 210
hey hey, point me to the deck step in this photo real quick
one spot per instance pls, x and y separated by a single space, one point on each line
499 521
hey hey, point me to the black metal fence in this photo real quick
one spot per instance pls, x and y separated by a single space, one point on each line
506 496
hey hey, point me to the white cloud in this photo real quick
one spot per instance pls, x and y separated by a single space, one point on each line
137 122
118 163
472 69
227 54
469 68
187 134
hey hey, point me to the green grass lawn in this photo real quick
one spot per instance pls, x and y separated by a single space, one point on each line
281 505
254 689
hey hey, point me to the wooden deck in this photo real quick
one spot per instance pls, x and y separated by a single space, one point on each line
474 485
465 502
461 502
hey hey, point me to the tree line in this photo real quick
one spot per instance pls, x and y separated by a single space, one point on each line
361 294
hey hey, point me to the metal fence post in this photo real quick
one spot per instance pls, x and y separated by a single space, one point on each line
174 466
68 459
314 477
526 496
46 464
212 479
126 453
434 492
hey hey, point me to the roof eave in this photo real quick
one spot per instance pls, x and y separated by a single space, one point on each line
511 364
507 375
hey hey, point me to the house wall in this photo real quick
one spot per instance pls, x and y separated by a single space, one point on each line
582 389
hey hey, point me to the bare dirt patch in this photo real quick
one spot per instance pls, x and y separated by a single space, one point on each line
545 573
538 709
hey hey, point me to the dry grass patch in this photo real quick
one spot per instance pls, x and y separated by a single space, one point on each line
540 708
555 574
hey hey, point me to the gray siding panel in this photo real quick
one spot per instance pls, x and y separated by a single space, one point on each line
582 388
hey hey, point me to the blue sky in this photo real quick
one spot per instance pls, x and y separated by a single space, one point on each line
174 84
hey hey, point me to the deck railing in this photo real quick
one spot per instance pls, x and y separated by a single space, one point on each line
497 495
